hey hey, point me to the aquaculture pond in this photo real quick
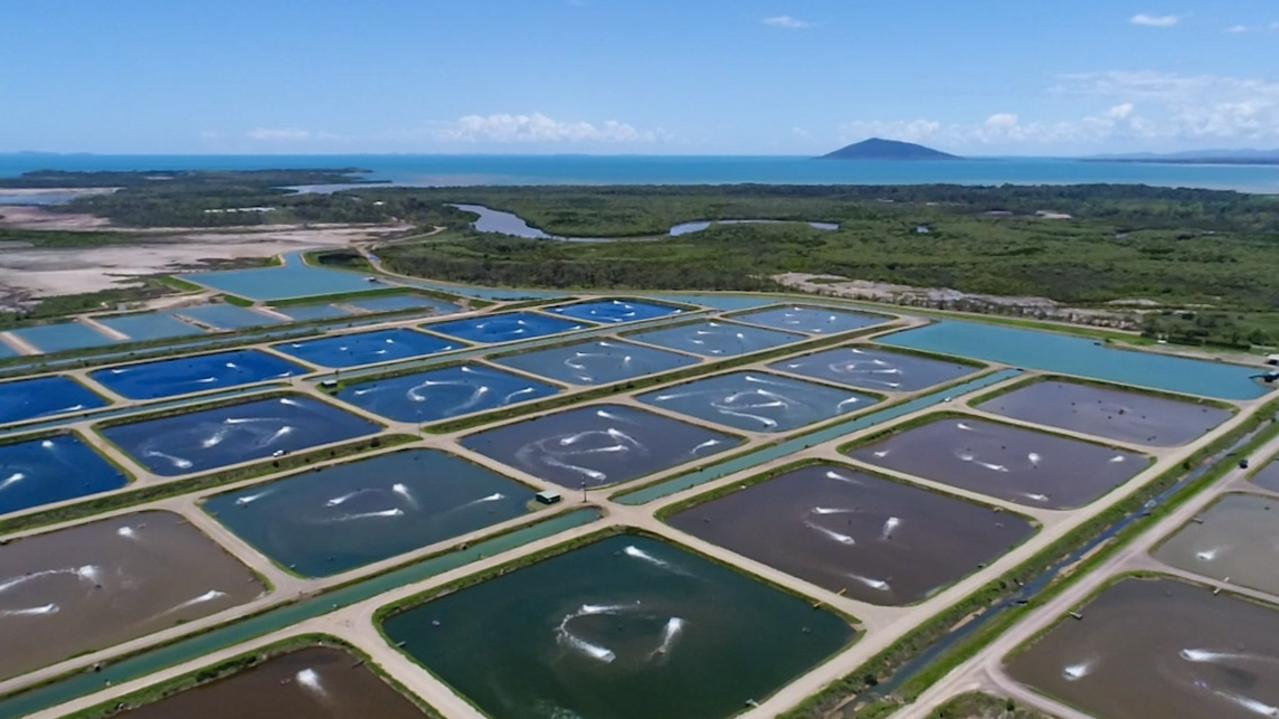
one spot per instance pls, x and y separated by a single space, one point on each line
337 518
1054 352
1113 413
711 338
443 393
43 396
228 317
616 310
598 445
349 350
306 313
396 303
873 368
506 327
95 585
200 373
625 627
812 319
1018 465
874 539
146 326
1160 648
211 438
1234 540
52 469
1268 477
596 362
63 337
292 280
311 682
757 401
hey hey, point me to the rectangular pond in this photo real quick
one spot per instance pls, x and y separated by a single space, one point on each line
52 469
1113 413
312 682
1011 463
1160 648
211 438
329 520
627 627
505 327
1054 352
713 338
43 396
228 317
442 393
92 586
811 319
306 313
615 310
200 373
598 445
873 368
63 337
349 350
875 539
397 303
1268 477
757 401
1235 540
596 362
145 326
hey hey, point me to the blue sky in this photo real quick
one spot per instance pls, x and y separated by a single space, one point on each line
636 76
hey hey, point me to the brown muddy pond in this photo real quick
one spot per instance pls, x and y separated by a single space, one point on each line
312 682
1160 648
1235 538
89 587
1111 413
1268 477
1020 465
881 541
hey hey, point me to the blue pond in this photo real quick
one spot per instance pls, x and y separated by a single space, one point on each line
1078 356
615 310
145 326
367 347
757 401
304 313
506 327
53 469
165 378
211 438
395 303
334 519
713 338
43 396
811 319
443 393
596 362
292 280
63 337
228 317
6 351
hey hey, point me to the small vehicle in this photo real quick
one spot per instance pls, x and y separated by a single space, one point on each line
1243 464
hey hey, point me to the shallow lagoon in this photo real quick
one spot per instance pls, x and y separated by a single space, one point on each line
63 337
201 373
442 393
874 368
1018 465
505 327
757 401
52 469
228 317
1234 540
211 438
306 313
330 520
291 280
880 541
1112 413
1054 352
596 362
397 303
624 627
1160 648
615 311
43 396
713 338
312 682
811 319
359 348
598 445
144 326
96 585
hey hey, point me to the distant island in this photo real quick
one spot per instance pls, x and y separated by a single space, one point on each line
1196 157
877 148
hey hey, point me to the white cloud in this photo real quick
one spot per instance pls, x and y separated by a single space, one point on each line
787 22
1146 20
286 134
538 128
1238 29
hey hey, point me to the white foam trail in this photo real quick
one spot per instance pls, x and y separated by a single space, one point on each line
1252 705
280 433
12 480
206 380
849 401
209 596
594 651
831 534
966 456
822 511
1075 672
127 532
1117 459
232 365
586 471
289 402
605 414
1033 457
381 514
403 490
705 445
965 427
310 679
214 439
878 585
1036 496
362 392
993 467
342 499
832 474
29 611
636 553
46 444
767 422
670 632
517 393
890 526
178 462
250 498
880 454
1208 656
1208 555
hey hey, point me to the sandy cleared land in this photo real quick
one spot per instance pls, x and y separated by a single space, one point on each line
26 217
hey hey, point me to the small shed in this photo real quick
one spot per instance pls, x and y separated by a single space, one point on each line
548 497
1272 359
